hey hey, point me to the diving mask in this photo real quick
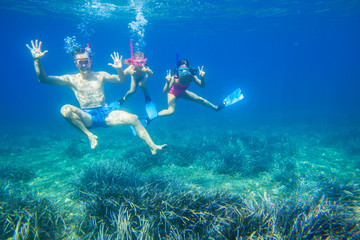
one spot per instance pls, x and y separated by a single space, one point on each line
139 62
82 62
184 71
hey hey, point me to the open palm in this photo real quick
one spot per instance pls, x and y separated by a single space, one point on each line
36 49
117 60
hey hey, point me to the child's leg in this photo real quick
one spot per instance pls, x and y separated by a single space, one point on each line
171 106
142 85
195 98
131 91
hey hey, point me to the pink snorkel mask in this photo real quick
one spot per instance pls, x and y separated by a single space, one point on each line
132 61
139 62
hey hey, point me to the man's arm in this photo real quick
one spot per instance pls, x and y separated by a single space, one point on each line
120 77
201 82
44 78
40 72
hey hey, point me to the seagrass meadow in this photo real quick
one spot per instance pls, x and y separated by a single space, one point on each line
247 182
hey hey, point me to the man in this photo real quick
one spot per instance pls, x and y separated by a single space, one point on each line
88 87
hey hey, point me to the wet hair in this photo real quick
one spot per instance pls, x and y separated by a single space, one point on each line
186 63
81 51
139 55
183 62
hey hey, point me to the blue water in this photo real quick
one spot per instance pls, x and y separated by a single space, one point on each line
295 133
292 60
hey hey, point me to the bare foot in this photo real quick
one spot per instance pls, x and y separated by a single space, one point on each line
93 140
158 148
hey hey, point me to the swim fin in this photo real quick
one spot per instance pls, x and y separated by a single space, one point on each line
114 105
233 98
144 121
151 110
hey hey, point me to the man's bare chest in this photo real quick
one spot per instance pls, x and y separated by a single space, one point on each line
86 85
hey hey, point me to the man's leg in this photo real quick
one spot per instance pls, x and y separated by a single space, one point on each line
79 120
171 106
118 117
195 98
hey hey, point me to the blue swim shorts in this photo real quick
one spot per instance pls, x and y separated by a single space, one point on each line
99 114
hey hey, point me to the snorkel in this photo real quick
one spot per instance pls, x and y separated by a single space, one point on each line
135 59
177 65
88 50
130 61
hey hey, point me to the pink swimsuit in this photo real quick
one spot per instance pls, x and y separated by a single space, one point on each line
178 90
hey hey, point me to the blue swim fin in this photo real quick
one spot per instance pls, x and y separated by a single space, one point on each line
233 98
114 105
151 110
144 121
133 131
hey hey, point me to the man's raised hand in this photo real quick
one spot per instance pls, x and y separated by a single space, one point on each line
36 49
117 60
